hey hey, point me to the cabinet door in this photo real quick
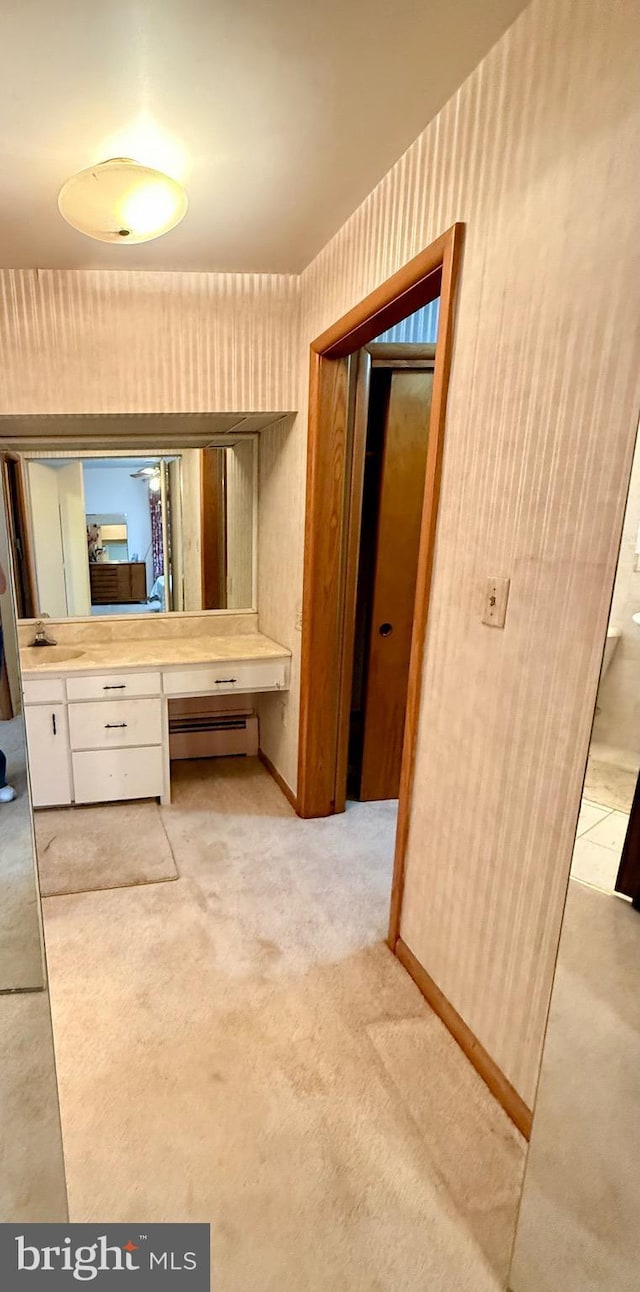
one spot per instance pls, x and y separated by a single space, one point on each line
48 744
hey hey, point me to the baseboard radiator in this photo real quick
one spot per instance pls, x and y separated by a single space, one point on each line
202 728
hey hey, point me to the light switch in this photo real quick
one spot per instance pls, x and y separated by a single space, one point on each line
495 602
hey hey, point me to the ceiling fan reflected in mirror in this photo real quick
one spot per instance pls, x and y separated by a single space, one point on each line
151 474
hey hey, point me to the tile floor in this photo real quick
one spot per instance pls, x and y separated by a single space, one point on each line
598 847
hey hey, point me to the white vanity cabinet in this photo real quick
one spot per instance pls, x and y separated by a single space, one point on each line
116 736
100 737
104 741
49 760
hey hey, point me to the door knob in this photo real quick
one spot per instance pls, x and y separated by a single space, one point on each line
385 629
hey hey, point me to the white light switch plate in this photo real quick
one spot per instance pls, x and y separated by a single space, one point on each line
495 602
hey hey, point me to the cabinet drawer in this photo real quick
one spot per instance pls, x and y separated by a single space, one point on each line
110 686
112 723
45 690
106 775
251 675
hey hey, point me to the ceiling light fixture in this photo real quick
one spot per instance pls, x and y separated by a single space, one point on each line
122 201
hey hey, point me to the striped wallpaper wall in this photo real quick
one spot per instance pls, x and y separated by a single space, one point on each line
537 154
77 342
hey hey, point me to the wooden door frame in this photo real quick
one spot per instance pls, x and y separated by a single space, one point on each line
6 456
434 272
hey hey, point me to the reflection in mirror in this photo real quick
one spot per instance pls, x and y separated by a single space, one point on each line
21 959
578 1227
133 533
32 1183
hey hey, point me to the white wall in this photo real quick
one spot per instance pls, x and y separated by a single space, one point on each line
191 479
112 490
44 504
240 463
74 538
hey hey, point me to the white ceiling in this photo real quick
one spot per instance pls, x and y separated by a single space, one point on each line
278 115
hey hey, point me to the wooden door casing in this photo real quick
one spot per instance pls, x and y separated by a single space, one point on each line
325 614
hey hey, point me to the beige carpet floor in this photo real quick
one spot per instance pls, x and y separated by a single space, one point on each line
32 1183
111 846
21 963
241 1047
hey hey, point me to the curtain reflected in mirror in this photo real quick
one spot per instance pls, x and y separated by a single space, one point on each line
133 533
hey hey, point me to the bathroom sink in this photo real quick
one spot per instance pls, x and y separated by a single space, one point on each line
51 654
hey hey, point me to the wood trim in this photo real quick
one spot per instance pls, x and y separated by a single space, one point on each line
352 556
21 524
402 351
322 601
491 1074
279 780
414 285
432 272
444 347
6 705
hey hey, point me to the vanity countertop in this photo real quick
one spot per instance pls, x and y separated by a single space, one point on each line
161 652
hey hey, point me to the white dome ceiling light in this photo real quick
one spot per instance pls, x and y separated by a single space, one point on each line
122 201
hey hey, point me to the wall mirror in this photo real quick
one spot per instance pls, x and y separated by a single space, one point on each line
128 531
32 1183
578 1227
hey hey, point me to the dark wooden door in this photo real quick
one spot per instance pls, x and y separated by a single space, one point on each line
404 456
628 880
214 530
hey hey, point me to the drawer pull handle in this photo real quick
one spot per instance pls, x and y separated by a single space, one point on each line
110 726
221 681
54 724
122 686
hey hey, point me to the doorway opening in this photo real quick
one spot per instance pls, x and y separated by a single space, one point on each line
394 382
335 482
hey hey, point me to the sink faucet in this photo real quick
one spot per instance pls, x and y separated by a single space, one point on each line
42 638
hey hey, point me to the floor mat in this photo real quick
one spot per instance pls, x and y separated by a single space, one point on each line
115 845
